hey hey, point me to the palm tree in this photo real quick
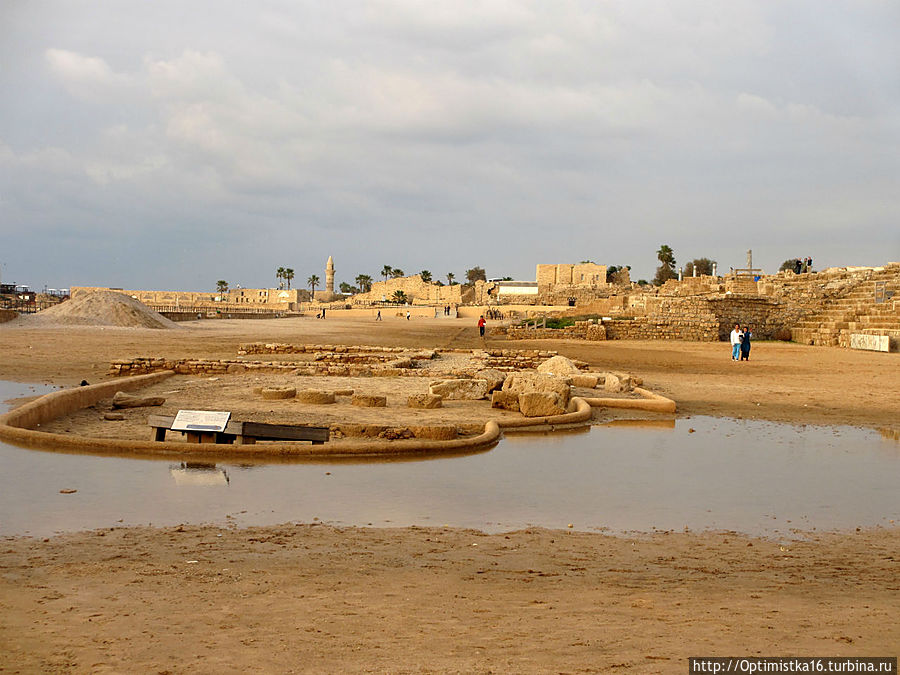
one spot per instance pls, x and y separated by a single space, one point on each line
666 256
386 271
364 281
312 282
666 270
426 276
396 273
450 278
222 286
279 275
399 297
288 276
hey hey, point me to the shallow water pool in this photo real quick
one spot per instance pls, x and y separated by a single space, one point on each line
759 478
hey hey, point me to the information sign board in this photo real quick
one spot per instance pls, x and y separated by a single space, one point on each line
200 420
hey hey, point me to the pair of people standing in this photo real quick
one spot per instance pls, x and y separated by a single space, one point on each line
740 343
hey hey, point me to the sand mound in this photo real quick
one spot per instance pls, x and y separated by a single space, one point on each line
100 308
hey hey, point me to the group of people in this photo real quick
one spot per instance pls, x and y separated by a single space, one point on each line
802 265
740 343
447 310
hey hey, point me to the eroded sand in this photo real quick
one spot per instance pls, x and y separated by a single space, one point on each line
315 598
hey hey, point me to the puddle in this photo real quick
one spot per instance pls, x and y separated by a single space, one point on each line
759 478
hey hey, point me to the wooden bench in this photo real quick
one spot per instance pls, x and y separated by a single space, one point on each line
241 433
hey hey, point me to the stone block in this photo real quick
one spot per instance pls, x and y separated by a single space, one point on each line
369 401
278 393
541 404
494 378
425 401
460 390
559 366
315 396
521 383
585 380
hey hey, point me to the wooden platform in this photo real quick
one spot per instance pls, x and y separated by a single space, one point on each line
241 433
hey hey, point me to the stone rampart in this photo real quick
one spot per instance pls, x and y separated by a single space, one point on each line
414 288
581 330
269 299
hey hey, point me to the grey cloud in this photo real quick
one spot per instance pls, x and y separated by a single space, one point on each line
494 133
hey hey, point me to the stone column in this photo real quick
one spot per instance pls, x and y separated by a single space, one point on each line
329 276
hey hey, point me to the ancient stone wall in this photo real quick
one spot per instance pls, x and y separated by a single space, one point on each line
581 330
415 289
562 294
567 274
702 285
339 361
271 299
7 315
765 317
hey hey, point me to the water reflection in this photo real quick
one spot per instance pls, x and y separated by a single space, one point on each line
198 473
750 476
642 424
893 434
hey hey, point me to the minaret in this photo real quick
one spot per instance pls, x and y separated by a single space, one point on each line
329 276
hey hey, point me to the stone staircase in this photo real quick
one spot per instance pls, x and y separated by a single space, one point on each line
854 310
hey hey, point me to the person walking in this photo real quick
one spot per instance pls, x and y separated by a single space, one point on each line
378 316
736 342
481 324
745 343
407 315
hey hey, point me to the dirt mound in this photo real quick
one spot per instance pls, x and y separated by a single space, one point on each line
100 308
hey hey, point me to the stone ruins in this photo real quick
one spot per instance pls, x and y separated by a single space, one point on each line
824 308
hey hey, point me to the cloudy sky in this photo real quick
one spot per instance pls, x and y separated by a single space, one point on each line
170 144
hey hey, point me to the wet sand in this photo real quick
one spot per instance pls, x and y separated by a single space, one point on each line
309 598
318 599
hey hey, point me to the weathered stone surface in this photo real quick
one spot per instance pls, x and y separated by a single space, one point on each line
612 382
435 433
426 401
315 396
541 404
586 380
276 393
494 378
460 390
527 382
559 366
123 400
619 382
505 400
343 392
358 430
369 401
114 416
395 433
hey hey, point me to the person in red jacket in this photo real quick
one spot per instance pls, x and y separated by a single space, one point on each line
481 324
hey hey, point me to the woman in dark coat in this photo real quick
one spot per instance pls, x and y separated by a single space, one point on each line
745 344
